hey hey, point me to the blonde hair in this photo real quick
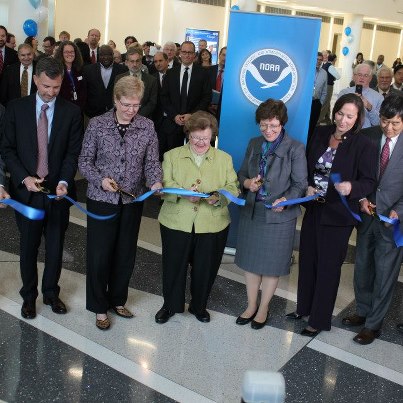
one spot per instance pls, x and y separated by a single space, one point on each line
128 86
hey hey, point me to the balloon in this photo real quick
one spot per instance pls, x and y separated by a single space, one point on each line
41 14
345 50
30 28
350 39
235 7
35 3
347 31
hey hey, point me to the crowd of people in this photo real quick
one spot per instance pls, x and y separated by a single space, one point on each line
145 119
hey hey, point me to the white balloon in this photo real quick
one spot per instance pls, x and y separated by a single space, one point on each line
41 14
350 39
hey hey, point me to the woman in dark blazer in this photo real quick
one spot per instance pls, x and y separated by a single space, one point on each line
73 86
327 223
273 170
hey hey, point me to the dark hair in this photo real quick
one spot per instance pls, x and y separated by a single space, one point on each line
201 120
397 68
320 54
223 48
134 50
130 37
78 60
359 54
85 52
332 57
4 29
199 57
29 40
392 106
51 40
164 55
50 66
9 36
271 109
355 100
149 43
189 43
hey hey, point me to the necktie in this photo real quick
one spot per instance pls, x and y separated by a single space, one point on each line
24 82
1 61
184 90
384 157
218 81
93 59
42 133
384 94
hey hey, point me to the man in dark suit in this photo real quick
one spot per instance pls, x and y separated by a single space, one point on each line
7 55
94 36
100 78
133 62
170 50
385 88
216 74
41 143
185 90
378 259
18 77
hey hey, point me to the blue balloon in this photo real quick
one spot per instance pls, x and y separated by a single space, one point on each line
235 7
30 28
35 3
345 50
347 31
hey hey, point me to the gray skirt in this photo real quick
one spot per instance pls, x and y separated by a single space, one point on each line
263 248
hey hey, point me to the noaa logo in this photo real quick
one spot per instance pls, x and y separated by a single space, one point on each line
268 73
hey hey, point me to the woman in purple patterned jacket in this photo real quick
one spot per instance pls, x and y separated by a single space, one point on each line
119 158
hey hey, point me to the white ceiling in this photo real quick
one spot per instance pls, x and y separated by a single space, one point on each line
384 12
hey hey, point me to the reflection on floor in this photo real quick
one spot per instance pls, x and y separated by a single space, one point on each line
65 358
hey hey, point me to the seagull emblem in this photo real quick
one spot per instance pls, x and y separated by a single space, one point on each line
257 76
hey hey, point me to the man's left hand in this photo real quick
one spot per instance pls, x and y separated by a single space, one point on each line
61 190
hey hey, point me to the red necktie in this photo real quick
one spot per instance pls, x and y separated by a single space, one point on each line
42 133
93 59
1 61
384 157
218 81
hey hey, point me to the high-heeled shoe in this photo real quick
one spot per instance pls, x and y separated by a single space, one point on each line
293 315
309 333
259 325
244 321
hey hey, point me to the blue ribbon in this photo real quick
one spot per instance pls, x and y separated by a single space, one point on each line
397 235
290 202
336 178
185 192
88 213
27 211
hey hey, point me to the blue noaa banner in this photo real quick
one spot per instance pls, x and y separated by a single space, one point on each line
268 56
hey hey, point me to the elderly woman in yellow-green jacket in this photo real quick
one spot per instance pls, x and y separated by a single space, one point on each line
192 227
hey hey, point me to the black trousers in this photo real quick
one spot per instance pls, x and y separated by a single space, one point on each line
206 250
170 136
322 252
111 253
53 227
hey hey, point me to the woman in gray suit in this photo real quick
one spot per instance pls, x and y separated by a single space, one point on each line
274 170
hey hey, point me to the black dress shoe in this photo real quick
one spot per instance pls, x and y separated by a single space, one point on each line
28 310
259 325
244 321
163 315
309 333
353 320
201 317
57 305
366 336
400 327
293 315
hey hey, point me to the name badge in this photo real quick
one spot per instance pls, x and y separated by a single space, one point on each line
74 96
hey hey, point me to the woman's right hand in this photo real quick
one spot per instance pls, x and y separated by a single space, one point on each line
253 184
109 185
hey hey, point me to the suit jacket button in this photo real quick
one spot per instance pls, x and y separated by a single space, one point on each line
378 190
195 208
198 181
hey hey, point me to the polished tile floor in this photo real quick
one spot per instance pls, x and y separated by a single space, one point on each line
65 358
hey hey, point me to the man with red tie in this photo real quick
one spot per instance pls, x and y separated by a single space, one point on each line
7 55
41 143
94 36
378 259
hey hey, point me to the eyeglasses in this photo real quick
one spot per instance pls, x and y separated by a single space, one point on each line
187 53
126 107
264 127
69 52
200 139
360 75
